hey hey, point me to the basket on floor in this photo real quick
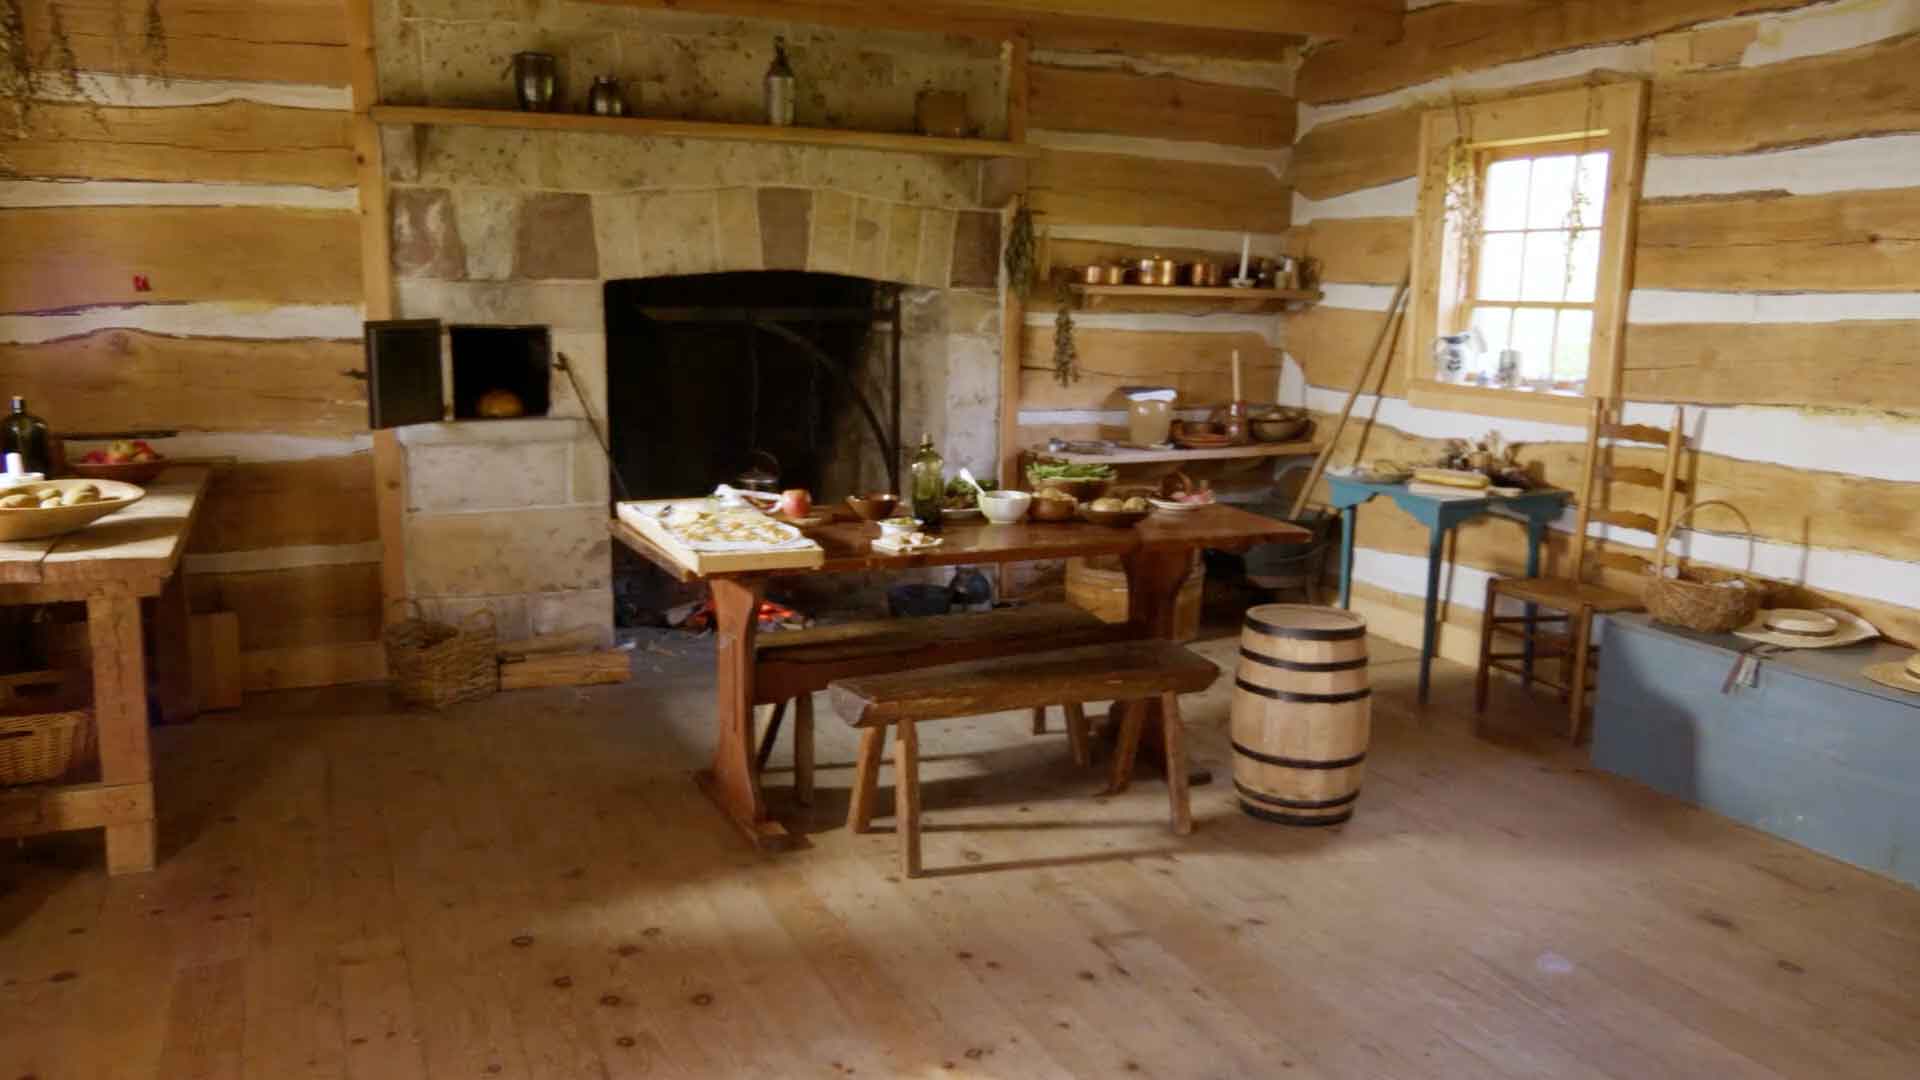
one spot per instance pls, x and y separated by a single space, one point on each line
437 664
1710 601
46 728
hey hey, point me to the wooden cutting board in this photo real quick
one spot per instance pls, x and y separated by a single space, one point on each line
640 515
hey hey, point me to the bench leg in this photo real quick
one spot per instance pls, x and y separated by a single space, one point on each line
1132 715
866 777
803 749
1174 732
1077 734
772 733
906 797
1040 720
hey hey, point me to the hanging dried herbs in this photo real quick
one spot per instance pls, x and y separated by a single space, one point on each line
27 78
1020 251
156 39
1066 354
16 70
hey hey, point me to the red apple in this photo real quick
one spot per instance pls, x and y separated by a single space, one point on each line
796 502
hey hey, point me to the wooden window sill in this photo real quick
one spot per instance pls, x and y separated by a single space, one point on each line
1508 404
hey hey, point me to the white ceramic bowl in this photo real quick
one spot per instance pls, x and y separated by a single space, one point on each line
898 526
1006 507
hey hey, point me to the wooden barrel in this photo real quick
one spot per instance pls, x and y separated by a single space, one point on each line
1099 585
1301 714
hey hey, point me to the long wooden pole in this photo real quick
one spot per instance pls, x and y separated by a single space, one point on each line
1359 385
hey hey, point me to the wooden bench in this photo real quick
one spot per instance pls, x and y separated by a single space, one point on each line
793 665
1132 673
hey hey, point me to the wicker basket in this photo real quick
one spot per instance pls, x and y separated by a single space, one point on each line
437 664
1702 599
46 729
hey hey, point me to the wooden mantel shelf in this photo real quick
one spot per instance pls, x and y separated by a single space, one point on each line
660 128
1190 298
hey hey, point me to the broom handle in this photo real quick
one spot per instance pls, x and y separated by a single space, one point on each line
1333 439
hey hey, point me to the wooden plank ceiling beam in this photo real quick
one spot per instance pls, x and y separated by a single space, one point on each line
1238 28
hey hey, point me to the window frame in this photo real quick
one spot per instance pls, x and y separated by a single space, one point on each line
1608 117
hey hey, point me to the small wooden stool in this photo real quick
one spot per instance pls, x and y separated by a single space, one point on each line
1133 673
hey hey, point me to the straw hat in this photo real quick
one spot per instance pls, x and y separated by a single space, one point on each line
1794 628
1897 675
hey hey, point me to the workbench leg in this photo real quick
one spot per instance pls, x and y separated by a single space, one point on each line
1430 630
172 655
120 718
1348 516
1154 579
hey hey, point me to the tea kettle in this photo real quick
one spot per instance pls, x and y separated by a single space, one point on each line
762 475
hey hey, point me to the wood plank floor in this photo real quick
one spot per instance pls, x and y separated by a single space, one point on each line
531 887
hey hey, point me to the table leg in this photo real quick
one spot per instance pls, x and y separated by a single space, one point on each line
120 718
172 657
1436 553
1154 579
1348 517
734 780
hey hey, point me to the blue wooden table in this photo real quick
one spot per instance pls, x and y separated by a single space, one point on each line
1441 515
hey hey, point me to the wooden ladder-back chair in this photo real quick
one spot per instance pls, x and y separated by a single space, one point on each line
1568 636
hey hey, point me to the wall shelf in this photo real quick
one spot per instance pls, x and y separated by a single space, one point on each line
1122 456
1190 298
662 128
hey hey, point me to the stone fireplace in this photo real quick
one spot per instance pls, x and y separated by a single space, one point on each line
527 228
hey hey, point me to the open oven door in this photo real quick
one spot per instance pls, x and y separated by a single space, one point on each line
404 380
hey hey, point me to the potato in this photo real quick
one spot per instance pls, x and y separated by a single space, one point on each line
18 501
79 497
1108 505
1136 505
50 500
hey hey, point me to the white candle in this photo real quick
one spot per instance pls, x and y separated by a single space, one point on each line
1246 251
1236 375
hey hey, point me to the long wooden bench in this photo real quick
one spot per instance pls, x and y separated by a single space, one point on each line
793 665
1132 673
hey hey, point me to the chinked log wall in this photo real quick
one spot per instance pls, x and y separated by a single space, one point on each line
1150 156
1777 287
229 188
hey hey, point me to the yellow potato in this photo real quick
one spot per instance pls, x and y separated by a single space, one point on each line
17 501
1135 505
79 497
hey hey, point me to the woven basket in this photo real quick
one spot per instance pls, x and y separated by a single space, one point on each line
1702 599
46 728
437 664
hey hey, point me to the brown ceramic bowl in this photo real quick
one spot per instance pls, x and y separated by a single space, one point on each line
1115 519
1054 510
127 472
877 506
1083 490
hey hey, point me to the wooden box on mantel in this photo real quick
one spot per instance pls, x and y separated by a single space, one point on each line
641 516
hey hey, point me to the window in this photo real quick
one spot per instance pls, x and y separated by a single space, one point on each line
1522 251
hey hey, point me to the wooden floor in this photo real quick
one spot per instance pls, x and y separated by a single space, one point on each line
531 887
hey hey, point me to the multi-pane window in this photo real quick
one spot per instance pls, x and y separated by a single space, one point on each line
1536 264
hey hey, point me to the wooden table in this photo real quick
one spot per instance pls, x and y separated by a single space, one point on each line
1157 554
1441 515
111 565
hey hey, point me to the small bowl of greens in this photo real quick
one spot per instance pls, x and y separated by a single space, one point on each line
961 502
1084 482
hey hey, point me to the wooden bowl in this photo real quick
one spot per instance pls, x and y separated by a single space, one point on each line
1115 519
873 507
127 472
1054 510
1275 431
37 524
1082 490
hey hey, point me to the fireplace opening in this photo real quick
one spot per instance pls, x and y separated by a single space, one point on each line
712 377
500 372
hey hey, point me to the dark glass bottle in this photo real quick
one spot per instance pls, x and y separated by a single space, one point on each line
928 471
26 434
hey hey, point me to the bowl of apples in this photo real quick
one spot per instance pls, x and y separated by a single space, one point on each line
128 461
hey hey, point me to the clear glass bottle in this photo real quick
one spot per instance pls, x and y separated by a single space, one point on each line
26 434
928 469
782 88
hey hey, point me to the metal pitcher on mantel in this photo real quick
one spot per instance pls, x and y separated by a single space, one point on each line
536 78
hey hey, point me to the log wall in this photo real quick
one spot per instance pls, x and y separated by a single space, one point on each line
228 189
1776 289
1142 156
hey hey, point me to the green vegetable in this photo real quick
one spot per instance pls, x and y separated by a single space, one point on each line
1039 471
961 496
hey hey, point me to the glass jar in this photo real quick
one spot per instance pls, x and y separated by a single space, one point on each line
1149 421
928 470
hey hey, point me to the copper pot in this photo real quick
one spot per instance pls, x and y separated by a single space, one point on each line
1203 275
1156 270
1093 274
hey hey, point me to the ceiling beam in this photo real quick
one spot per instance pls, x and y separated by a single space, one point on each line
1257 29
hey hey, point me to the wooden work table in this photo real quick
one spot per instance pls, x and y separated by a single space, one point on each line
1157 553
111 565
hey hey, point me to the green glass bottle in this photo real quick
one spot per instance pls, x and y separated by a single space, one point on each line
929 484
26 434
